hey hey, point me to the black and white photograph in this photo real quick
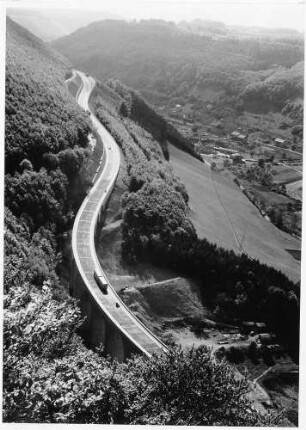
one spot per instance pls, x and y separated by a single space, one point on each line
151 209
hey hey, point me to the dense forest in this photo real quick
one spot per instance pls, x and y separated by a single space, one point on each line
48 374
171 65
158 197
156 228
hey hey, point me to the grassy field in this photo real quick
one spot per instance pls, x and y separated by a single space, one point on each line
223 215
295 189
283 175
269 197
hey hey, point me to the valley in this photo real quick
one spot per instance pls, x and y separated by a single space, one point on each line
176 178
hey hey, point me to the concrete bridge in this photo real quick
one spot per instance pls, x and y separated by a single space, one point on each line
108 319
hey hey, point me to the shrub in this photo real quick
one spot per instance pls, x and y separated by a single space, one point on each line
235 355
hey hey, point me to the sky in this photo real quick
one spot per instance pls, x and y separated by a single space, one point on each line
266 13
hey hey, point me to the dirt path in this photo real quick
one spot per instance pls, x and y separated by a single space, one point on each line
263 374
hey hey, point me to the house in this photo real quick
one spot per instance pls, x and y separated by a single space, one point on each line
275 348
279 142
261 326
265 338
224 150
236 135
237 158
248 326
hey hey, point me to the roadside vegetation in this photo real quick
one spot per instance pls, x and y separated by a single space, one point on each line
157 200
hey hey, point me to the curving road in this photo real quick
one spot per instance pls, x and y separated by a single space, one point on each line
83 244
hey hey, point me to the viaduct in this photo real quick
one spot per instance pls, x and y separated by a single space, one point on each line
108 319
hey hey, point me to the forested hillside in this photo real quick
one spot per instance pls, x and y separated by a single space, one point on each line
274 89
156 228
168 64
160 197
48 374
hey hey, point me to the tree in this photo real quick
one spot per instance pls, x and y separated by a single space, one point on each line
253 352
49 376
38 195
123 110
267 178
213 165
261 163
234 355
267 355
297 131
187 388
226 162
26 165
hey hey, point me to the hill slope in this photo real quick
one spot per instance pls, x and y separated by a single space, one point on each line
41 116
45 146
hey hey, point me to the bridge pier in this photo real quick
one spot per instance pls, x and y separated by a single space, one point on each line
115 345
97 330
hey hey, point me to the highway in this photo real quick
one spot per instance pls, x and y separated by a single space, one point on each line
83 242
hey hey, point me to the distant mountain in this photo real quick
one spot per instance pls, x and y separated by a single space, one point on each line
219 29
50 24
172 66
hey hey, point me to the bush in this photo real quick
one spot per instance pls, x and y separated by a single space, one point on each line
267 355
253 352
235 355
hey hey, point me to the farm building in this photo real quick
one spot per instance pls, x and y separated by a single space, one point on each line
238 136
248 326
280 142
266 338
254 326
225 150
261 326
275 348
237 158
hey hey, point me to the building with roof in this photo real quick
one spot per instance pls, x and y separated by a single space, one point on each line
279 142
266 338
236 135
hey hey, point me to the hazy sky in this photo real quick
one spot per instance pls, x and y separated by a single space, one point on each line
268 13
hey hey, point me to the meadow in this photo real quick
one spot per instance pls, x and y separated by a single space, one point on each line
222 214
